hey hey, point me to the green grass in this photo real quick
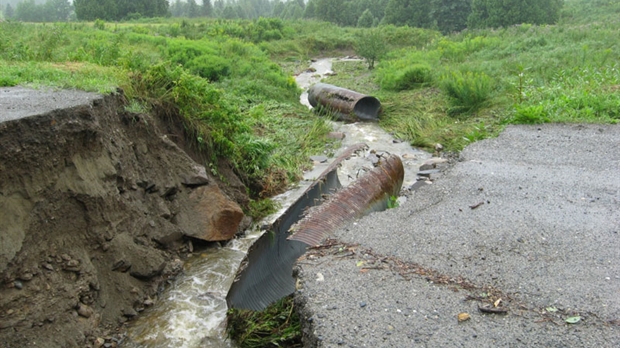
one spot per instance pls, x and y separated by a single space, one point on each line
84 76
465 87
276 326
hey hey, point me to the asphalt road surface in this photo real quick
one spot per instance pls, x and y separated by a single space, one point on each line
520 239
20 102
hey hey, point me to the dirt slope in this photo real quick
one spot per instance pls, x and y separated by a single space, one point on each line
94 206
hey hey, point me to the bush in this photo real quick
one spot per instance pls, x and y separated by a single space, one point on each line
467 91
533 114
210 67
415 75
371 46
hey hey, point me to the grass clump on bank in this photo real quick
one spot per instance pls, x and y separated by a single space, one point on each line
276 326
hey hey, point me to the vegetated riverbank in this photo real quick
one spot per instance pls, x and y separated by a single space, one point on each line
96 204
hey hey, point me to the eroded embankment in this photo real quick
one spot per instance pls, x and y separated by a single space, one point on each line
94 203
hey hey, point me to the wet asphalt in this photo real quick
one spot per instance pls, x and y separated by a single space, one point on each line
525 226
20 102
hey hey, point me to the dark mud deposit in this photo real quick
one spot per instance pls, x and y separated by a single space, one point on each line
95 207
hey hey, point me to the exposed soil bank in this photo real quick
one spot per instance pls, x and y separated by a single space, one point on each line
94 206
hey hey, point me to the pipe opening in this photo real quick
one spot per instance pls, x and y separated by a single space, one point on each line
367 108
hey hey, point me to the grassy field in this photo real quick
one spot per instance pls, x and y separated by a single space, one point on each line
461 88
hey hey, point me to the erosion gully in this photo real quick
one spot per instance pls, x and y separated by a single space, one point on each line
192 310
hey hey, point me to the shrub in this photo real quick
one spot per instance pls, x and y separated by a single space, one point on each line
532 114
210 67
370 45
415 75
99 24
467 91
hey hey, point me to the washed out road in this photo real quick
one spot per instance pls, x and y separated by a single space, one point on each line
518 237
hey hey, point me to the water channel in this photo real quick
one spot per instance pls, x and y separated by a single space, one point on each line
191 313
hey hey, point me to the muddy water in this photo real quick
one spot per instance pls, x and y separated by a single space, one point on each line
191 313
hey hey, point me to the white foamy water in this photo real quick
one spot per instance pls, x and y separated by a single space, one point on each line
192 312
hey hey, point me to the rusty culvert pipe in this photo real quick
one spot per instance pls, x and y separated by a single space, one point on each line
348 105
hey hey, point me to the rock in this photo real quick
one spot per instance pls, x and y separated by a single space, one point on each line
65 257
171 240
99 342
211 216
72 266
152 188
148 268
121 266
432 163
18 285
84 311
428 173
373 158
48 266
26 276
198 178
418 184
318 159
336 135
424 167
129 312
170 192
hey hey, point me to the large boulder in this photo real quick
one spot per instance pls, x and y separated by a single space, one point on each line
211 215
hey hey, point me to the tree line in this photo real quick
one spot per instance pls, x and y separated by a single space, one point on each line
444 15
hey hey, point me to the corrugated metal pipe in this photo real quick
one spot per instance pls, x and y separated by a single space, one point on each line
347 105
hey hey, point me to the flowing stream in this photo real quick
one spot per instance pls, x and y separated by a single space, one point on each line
191 312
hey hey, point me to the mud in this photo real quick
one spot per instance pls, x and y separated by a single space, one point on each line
89 200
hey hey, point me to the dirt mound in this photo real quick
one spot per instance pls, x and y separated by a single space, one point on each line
94 203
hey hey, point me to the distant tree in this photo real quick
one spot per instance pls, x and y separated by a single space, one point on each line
450 15
89 10
503 13
192 9
229 12
371 46
218 5
207 8
278 8
241 12
114 10
177 8
414 13
29 11
310 11
9 12
331 11
57 10
366 19
291 10
377 7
